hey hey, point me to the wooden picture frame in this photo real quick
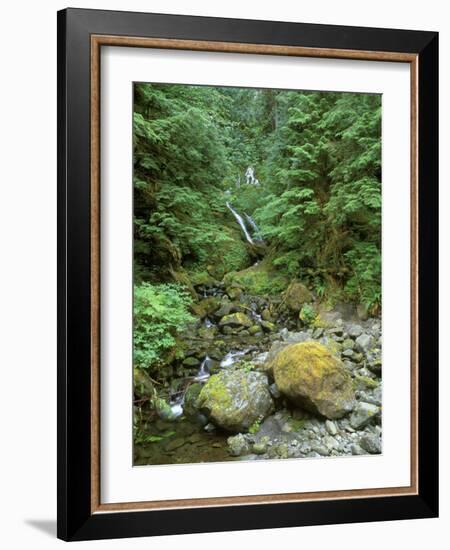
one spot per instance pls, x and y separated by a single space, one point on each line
81 35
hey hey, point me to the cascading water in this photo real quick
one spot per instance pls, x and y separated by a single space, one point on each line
231 358
204 370
255 228
240 222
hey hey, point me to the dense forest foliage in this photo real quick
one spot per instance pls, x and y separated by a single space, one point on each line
317 201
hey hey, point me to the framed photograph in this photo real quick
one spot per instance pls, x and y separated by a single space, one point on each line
247 274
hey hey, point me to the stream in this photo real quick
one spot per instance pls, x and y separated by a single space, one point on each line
189 438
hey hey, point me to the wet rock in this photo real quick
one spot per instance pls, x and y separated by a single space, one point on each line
164 410
314 379
235 399
363 414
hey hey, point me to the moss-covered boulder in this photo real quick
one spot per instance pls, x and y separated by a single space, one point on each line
143 386
236 399
236 320
261 278
206 307
314 379
296 296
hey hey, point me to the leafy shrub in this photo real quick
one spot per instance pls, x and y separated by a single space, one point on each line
160 313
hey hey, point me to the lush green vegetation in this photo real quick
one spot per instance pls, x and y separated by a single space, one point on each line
317 157
160 313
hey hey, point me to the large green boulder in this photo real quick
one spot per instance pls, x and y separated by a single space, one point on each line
236 399
314 379
296 295
236 320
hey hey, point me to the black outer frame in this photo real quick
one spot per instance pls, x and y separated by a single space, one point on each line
75 521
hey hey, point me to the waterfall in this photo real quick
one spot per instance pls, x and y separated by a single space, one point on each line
240 222
255 228
203 371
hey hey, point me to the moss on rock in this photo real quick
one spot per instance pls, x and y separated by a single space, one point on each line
236 320
313 378
236 399
296 296
258 279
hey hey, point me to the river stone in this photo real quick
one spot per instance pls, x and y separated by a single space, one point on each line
296 295
267 326
371 443
363 414
235 399
314 379
265 315
364 342
225 309
354 331
330 427
238 445
236 320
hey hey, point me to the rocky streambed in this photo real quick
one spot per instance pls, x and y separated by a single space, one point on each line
256 381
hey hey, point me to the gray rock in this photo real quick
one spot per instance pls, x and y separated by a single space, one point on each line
357 450
274 391
363 414
354 331
371 443
260 447
238 445
348 343
320 449
331 427
375 366
294 337
364 342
